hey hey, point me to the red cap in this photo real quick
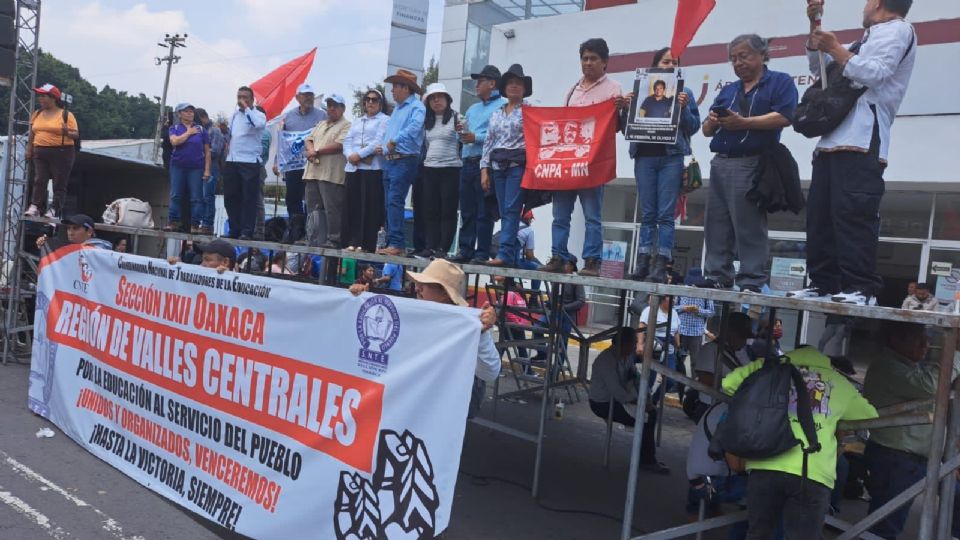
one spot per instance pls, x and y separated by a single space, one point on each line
50 89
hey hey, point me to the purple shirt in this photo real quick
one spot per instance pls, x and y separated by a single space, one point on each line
189 154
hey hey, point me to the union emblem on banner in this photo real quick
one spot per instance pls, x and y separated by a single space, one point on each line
570 147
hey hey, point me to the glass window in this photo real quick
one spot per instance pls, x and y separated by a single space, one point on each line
476 50
946 219
946 283
619 203
468 95
905 214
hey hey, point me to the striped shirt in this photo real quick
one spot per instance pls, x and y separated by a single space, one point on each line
443 148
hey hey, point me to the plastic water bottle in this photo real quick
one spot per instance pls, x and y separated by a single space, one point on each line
558 409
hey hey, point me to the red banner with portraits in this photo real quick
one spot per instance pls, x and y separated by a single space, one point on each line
570 147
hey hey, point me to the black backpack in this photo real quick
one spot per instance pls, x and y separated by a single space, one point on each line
758 424
821 111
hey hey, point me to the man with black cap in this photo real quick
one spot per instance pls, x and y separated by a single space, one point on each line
218 254
79 231
476 229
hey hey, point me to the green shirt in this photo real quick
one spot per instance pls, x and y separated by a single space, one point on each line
832 397
893 379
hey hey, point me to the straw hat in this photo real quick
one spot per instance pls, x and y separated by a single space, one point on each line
407 77
447 274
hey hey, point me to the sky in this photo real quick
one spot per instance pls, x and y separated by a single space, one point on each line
230 43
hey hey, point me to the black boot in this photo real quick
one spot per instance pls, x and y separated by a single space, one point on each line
659 272
643 267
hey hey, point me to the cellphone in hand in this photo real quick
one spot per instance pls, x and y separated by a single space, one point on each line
720 111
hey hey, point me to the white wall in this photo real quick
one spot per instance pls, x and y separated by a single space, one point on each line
548 50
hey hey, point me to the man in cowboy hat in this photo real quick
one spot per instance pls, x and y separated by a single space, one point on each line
594 87
401 147
444 282
476 229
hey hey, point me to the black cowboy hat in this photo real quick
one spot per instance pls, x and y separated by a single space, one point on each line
488 72
516 71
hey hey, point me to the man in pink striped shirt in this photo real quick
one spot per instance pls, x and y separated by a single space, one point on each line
594 87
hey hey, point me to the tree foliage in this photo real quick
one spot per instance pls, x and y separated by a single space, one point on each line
431 74
103 114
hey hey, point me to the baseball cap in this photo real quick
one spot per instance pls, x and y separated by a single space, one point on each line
220 247
336 98
48 89
80 220
183 106
305 89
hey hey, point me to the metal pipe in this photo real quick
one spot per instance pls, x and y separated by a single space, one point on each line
642 394
903 498
556 303
717 295
690 528
873 423
606 446
948 484
721 335
666 357
930 506
905 407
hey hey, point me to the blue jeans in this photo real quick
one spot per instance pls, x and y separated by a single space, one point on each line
591 200
658 186
210 198
398 174
510 199
476 228
891 472
189 183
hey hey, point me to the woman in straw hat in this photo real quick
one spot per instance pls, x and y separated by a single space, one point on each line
444 283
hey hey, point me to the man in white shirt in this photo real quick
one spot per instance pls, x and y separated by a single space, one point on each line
242 188
843 220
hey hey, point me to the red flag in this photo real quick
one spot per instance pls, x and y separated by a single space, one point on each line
275 90
570 147
690 15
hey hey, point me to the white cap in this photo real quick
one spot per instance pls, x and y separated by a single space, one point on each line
305 89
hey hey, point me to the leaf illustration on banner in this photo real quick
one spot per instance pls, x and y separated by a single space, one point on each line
405 473
356 510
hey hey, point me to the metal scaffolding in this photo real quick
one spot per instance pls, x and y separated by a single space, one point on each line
15 188
936 489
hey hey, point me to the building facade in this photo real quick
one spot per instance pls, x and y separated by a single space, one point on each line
921 209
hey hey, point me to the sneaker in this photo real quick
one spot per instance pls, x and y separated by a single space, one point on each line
194 229
440 254
478 260
350 248
172 226
750 289
33 211
856 298
460 258
554 265
330 244
591 267
50 214
810 293
499 263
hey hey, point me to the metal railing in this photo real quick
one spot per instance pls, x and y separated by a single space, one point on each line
936 489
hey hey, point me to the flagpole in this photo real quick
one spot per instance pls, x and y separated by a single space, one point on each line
823 62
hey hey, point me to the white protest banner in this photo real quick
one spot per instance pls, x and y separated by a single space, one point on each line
653 116
291 150
273 408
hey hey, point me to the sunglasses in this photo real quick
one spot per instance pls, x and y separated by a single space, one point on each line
371 99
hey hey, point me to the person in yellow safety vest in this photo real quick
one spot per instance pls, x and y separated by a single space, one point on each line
776 487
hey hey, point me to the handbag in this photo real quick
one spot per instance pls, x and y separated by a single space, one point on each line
692 176
822 110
